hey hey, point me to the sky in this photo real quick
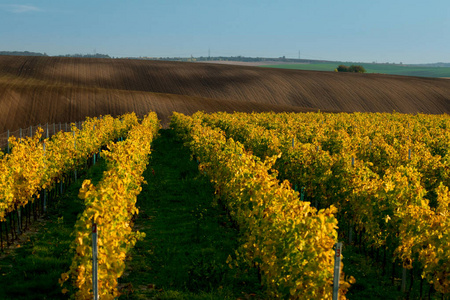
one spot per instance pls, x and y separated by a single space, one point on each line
394 31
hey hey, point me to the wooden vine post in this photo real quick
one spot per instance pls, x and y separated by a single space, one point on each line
94 260
337 270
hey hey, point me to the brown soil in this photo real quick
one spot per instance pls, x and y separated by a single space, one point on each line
248 63
37 90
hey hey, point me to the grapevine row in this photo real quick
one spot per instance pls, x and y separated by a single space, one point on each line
35 164
111 205
399 200
288 240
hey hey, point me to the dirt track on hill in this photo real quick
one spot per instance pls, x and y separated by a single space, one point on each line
37 90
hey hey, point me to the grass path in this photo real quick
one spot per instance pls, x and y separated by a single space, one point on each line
188 238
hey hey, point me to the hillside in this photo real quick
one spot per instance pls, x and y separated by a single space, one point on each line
37 90
430 70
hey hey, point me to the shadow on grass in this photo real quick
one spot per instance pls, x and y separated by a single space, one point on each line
32 269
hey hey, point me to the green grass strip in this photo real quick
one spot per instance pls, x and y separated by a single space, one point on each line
392 69
188 238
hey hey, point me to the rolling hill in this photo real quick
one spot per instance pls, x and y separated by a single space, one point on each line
430 70
37 90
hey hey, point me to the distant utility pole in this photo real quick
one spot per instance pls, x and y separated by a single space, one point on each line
209 53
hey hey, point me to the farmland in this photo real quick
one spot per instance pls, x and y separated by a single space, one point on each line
392 69
39 90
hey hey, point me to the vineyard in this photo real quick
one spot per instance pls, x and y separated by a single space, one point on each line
286 188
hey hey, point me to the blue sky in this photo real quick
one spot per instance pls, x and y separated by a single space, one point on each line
348 30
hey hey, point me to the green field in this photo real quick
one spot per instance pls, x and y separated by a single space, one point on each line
393 69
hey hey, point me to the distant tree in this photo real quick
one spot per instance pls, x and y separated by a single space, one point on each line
352 68
357 69
22 53
342 68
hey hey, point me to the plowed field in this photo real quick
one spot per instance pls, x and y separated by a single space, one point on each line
39 90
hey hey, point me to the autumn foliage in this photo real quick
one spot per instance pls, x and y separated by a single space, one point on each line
111 204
